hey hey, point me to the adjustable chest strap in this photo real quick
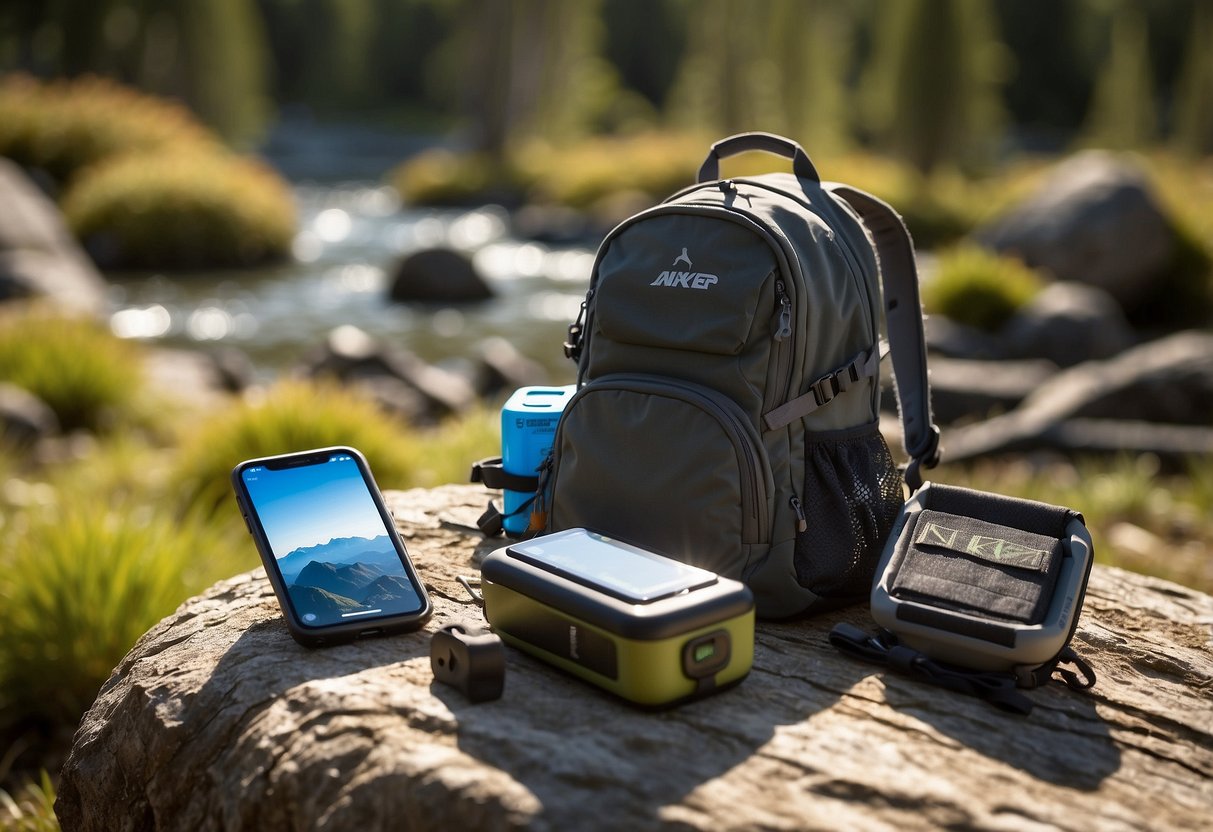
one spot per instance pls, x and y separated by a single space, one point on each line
823 390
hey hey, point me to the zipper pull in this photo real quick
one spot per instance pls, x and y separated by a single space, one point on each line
802 525
539 508
783 329
572 345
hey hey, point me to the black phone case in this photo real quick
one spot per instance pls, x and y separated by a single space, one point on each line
330 634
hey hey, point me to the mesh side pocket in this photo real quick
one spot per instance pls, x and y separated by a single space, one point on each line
853 494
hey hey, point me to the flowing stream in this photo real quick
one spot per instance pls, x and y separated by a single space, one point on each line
349 237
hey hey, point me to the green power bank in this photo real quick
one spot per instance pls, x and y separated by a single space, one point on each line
647 628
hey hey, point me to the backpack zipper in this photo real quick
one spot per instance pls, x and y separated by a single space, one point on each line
843 246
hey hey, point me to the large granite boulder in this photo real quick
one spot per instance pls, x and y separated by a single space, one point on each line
39 258
1068 323
1094 220
438 275
218 720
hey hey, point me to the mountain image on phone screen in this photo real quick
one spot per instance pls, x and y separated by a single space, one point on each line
329 542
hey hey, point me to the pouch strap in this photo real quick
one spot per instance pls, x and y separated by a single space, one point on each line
999 689
1030 677
491 472
823 390
903 315
492 521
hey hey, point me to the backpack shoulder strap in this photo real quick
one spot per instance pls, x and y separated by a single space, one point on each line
903 314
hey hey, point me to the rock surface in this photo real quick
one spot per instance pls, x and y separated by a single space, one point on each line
438 274
1094 220
1068 323
217 719
398 379
39 258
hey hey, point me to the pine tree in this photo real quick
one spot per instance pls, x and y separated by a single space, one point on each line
810 44
1122 113
931 91
1193 133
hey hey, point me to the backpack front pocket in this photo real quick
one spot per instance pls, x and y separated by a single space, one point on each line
666 464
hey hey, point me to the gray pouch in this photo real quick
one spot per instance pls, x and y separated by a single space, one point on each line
984 581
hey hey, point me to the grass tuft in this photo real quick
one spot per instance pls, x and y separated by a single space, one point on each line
63 127
86 375
976 287
297 415
82 582
32 810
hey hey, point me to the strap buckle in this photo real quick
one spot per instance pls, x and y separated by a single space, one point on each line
825 389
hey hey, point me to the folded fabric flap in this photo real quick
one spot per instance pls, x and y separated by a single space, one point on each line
962 563
978 539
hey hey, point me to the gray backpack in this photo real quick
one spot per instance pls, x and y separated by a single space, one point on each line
728 353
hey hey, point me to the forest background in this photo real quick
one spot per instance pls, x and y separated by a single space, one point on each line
122 524
931 81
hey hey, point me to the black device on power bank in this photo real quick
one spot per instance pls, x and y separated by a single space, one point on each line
329 547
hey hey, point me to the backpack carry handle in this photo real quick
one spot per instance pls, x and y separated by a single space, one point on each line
802 166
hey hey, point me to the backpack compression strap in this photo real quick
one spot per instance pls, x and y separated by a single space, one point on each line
903 314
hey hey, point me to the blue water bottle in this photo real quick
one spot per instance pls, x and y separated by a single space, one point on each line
528 428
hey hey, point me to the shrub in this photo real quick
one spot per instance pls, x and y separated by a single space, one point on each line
591 170
85 374
975 287
178 209
442 177
63 127
80 583
296 416
291 416
143 182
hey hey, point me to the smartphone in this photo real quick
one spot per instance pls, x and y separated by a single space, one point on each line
337 565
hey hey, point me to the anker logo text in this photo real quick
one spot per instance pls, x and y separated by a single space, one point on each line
685 280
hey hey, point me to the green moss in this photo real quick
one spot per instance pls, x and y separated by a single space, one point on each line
65 126
90 378
975 287
180 209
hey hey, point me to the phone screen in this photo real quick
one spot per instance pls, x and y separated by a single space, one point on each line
623 570
329 541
